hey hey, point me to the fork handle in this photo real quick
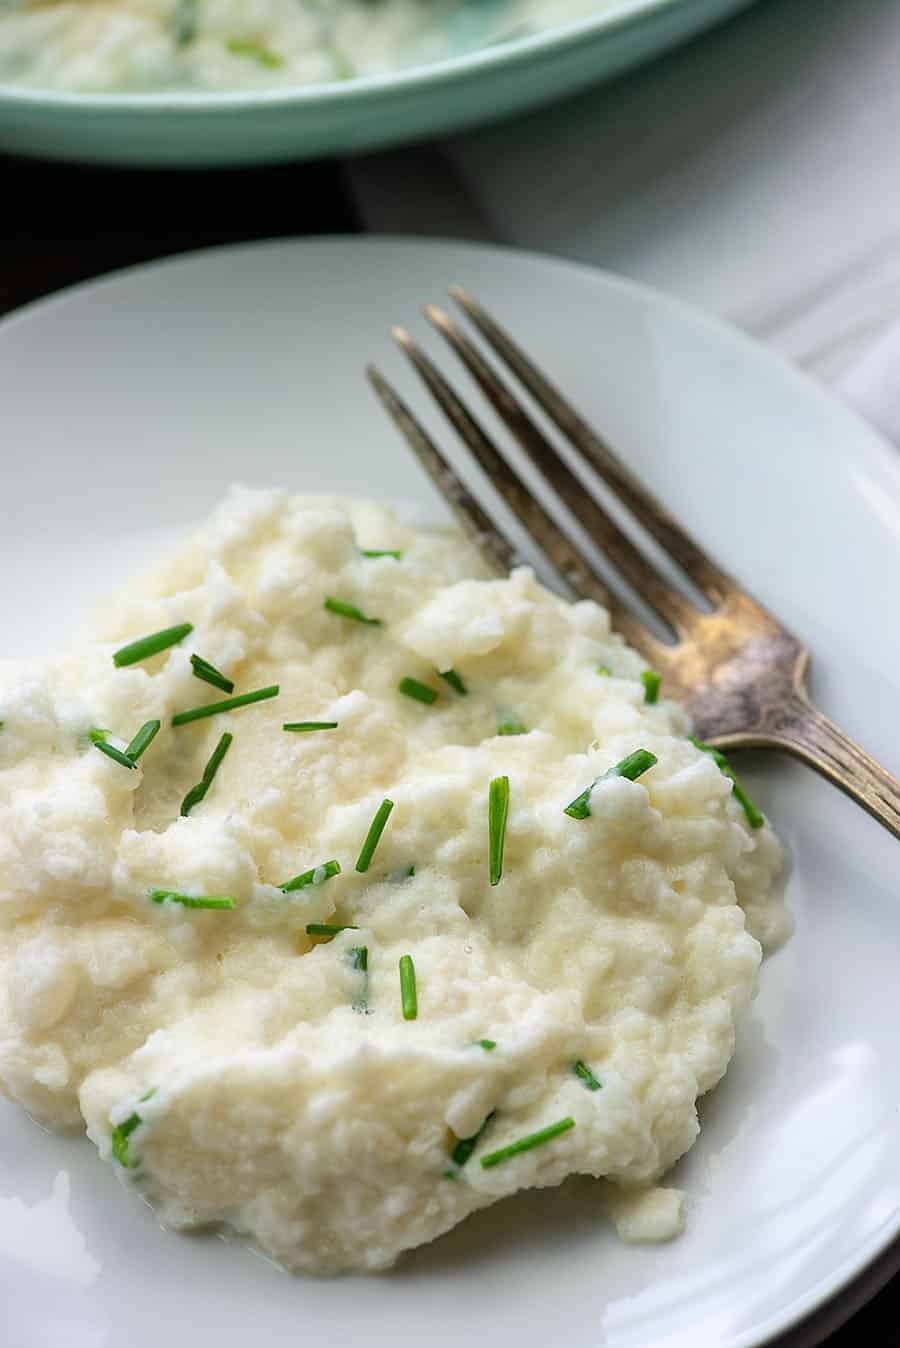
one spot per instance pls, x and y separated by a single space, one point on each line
810 736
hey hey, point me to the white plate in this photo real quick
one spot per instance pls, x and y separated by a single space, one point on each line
127 407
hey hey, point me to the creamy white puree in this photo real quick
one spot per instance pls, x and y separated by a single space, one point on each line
321 1131
105 46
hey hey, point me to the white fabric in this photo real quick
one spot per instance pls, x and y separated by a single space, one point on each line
753 172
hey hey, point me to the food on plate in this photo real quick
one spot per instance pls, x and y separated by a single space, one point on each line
140 45
347 889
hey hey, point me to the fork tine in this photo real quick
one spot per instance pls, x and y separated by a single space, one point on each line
669 604
496 548
565 559
714 582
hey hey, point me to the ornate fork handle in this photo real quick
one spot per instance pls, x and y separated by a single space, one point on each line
737 670
807 734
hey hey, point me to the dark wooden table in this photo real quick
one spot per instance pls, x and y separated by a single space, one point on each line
65 224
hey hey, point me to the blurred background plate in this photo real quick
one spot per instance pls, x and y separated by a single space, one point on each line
254 127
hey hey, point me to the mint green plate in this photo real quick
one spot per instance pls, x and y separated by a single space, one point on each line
259 127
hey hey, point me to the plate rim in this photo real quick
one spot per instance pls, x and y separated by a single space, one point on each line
832 1301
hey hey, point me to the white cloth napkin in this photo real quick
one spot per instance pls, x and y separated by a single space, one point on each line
752 172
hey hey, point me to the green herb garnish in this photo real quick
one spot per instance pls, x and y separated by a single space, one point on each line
486 1044
359 958
196 793
408 998
376 828
301 726
345 610
527 1143
185 22
328 929
122 1131
98 739
466 1145
209 674
144 647
755 817
381 552
190 900
142 740
254 51
498 810
420 691
227 704
129 756
631 767
511 725
119 1138
317 876
651 681
604 669
586 1076
455 681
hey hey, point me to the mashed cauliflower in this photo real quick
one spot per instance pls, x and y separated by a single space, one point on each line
139 45
238 1069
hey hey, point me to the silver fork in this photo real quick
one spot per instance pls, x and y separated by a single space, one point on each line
737 671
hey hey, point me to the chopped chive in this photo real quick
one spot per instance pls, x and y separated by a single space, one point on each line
755 817
651 681
142 740
631 767
185 21
254 51
345 610
420 691
408 997
585 1075
98 739
498 809
376 828
327 928
197 793
192 798
190 900
227 704
144 647
466 1145
604 669
301 726
381 552
317 876
209 674
216 757
122 1131
486 1044
511 725
359 958
527 1143
455 681
411 872
119 1138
